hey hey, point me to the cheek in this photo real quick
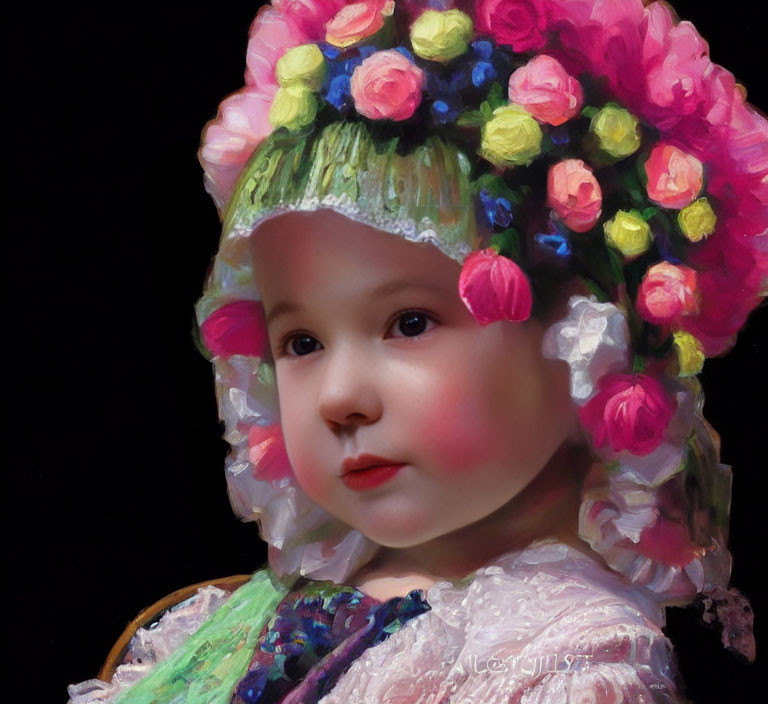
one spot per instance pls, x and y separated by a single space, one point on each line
302 447
458 430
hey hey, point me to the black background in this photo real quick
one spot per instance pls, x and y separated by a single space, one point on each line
115 494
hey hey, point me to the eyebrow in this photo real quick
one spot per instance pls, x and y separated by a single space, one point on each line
389 288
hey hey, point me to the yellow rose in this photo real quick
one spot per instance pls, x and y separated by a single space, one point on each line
294 107
441 36
697 220
617 131
628 233
303 64
690 354
511 137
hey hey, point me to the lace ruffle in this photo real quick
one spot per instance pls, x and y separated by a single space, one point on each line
532 626
152 645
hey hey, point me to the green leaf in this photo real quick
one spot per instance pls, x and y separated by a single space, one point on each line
507 243
648 213
471 118
638 365
497 187
601 295
496 97
615 266
589 111
486 111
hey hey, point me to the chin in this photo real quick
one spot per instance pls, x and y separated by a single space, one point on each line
406 535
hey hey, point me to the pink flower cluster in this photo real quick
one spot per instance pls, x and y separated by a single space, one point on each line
242 121
660 70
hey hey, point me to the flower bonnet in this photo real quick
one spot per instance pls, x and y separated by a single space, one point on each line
594 140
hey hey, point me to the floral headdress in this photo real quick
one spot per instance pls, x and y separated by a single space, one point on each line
597 140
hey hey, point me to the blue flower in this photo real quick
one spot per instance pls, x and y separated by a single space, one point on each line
407 54
483 73
460 80
351 64
556 242
366 51
338 92
498 211
437 87
560 135
482 49
444 112
661 238
329 52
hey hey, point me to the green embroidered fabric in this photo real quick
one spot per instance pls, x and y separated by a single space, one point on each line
207 666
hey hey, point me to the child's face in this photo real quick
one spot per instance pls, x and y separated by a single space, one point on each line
381 357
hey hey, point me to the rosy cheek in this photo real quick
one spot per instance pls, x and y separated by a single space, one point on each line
306 464
456 432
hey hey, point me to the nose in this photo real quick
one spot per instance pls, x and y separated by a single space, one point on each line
349 393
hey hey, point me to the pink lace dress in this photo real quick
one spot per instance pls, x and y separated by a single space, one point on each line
546 625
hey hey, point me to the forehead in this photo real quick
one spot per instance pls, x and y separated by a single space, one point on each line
298 251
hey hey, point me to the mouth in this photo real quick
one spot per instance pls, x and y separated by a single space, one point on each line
365 461
368 471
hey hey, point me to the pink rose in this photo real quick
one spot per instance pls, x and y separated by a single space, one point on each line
236 328
629 412
494 288
574 194
387 86
546 90
230 139
267 453
517 23
667 293
674 177
357 21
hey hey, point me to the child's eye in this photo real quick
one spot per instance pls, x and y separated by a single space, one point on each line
299 345
411 323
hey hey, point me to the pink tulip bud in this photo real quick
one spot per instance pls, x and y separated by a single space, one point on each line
629 412
667 293
267 453
494 288
574 194
236 328
674 177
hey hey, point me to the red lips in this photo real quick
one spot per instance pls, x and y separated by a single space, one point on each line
365 461
368 471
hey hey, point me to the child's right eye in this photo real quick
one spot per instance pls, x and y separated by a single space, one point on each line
299 345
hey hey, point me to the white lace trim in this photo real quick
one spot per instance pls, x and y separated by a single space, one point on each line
150 646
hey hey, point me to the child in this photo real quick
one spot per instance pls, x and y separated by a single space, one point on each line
443 207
